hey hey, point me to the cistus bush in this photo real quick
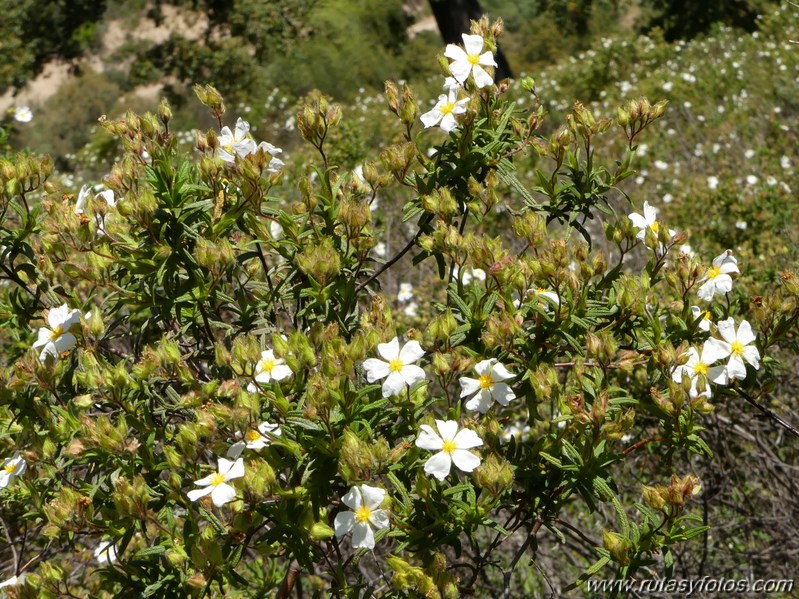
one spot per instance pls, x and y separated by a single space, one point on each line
203 391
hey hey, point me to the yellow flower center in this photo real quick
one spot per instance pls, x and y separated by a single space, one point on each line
706 315
713 272
540 290
362 514
395 365
252 435
449 446
267 365
473 58
486 382
700 368
10 468
655 226
737 348
217 479
447 108
57 332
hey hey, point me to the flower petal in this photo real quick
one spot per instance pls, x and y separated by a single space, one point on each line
222 494
714 350
389 351
466 439
375 369
745 334
412 374
469 386
481 77
457 54
353 499
438 465
727 330
465 460
411 352
379 518
447 429
736 369
362 536
428 439
44 337
460 70
472 43
281 371
487 59
503 393
343 523
484 366
500 373
372 496
195 494
481 402
431 118
393 385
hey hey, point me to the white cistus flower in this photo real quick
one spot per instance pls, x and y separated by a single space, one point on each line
738 346
269 368
254 438
238 143
452 446
700 366
397 366
717 279
56 338
364 501
488 388
23 114
443 113
105 552
12 467
647 221
471 61
216 484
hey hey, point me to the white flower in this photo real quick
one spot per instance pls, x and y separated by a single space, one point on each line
717 279
411 309
276 230
705 315
23 114
477 274
470 62
405 292
57 338
238 143
216 483
712 182
452 447
540 292
12 467
489 387
647 221
364 501
737 345
518 430
275 164
697 366
105 552
751 180
380 249
397 365
255 439
270 369
443 113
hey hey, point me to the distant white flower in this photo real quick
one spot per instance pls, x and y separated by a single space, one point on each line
741 225
238 143
477 274
660 165
785 162
751 180
216 483
452 447
12 467
748 154
471 61
717 279
687 249
254 438
380 249
647 221
705 315
270 369
405 292
412 309
712 182
57 338
105 552
443 113
518 430
738 345
364 501
23 114
488 388
397 366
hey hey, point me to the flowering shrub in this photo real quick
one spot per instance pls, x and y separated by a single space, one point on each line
219 400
